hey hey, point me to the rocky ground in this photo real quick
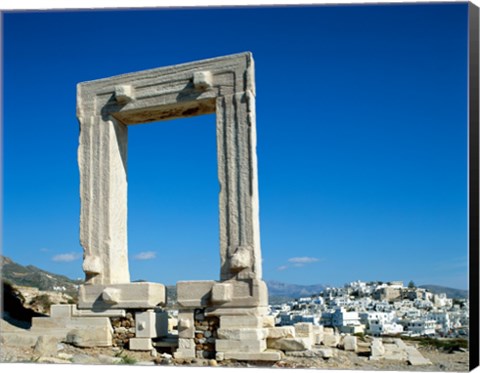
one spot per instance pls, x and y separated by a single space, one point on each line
49 351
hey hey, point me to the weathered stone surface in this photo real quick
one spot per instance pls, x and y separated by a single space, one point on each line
110 360
400 344
102 158
241 334
194 294
327 330
140 344
184 354
324 352
248 293
304 353
46 346
111 295
290 344
331 340
268 355
230 322
96 312
303 329
61 310
350 343
124 93
414 357
186 325
133 295
80 331
222 292
268 321
319 338
241 259
52 360
281 332
84 359
186 344
202 79
65 356
151 324
224 345
39 324
226 310
91 337
145 363
18 339
377 348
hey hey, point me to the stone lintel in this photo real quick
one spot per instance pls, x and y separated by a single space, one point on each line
168 85
140 295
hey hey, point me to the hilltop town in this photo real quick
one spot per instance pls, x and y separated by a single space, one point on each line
378 308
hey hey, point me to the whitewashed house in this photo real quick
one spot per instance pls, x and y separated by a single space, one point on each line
442 321
421 327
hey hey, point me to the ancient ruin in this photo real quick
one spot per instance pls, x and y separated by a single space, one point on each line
235 307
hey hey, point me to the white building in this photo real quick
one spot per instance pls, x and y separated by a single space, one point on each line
342 301
442 321
441 301
341 317
380 323
423 304
421 327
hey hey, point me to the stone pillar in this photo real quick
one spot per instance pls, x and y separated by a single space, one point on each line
102 159
238 200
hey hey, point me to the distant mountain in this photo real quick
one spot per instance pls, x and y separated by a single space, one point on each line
30 275
451 293
281 289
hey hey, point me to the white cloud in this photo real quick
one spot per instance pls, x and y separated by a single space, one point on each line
303 260
282 268
44 250
145 255
67 257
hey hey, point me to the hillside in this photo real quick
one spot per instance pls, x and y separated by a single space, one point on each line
451 293
32 276
281 289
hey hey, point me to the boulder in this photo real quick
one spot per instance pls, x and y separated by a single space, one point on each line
46 346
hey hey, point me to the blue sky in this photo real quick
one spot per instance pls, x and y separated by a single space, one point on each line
362 140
